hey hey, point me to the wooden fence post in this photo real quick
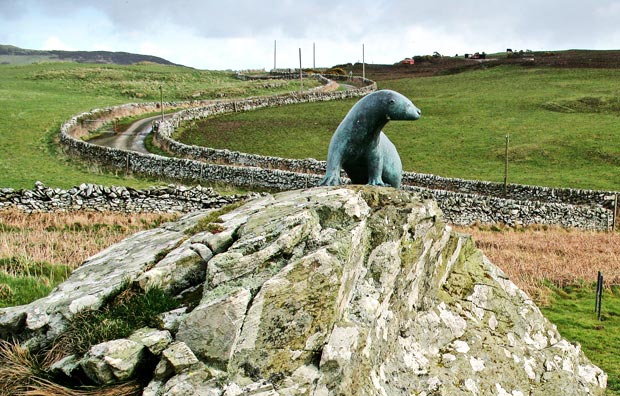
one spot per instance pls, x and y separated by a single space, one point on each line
506 166
301 81
613 224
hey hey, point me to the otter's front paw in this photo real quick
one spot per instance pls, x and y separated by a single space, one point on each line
378 183
330 181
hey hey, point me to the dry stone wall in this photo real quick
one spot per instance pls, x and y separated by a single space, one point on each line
513 191
310 165
92 197
467 209
468 202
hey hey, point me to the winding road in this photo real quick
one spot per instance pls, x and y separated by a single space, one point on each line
132 138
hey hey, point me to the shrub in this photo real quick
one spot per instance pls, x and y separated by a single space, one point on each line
337 71
125 313
423 58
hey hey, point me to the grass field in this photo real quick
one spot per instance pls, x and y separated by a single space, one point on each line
35 99
573 313
562 129
562 125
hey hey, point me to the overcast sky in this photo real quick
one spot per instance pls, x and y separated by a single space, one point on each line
240 34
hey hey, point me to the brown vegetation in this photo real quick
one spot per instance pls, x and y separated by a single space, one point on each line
530 256
535 255
426 66
25 374
68 238
58 238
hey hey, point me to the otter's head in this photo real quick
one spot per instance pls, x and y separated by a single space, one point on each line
397 106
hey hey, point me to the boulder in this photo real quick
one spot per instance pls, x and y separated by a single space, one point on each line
371 288
172 319
112 361
179 356
181 268
65 366
347 290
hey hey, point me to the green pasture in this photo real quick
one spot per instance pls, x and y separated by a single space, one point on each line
572 311
35 99
23 281
563 126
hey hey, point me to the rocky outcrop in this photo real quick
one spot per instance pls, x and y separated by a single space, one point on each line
325 291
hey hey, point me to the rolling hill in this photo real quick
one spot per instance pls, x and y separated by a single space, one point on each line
10 54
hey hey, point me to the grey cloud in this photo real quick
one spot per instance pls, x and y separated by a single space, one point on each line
553 21
213 19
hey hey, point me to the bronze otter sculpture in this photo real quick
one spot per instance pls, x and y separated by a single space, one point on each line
360 147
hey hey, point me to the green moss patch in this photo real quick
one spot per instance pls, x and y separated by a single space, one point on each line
211 220
125 313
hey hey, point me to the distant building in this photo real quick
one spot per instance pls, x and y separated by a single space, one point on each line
407 61
478 55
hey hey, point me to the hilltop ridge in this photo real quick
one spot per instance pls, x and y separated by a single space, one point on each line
10 54
428 65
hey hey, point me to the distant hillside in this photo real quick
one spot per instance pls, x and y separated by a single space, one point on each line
442 65
10 54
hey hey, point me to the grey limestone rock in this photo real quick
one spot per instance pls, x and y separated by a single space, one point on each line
112 361
211 329
171 320
179 356
327 291
196 382
153 339
66 366
181 268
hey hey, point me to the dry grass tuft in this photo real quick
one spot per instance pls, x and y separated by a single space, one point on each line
5 291
17 368
24 374
530 256
42 387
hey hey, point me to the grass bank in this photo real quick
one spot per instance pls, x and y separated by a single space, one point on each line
562 125
35 99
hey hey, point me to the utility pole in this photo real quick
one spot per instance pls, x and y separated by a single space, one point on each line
301 82
363 63
161 101
313 56
274 54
